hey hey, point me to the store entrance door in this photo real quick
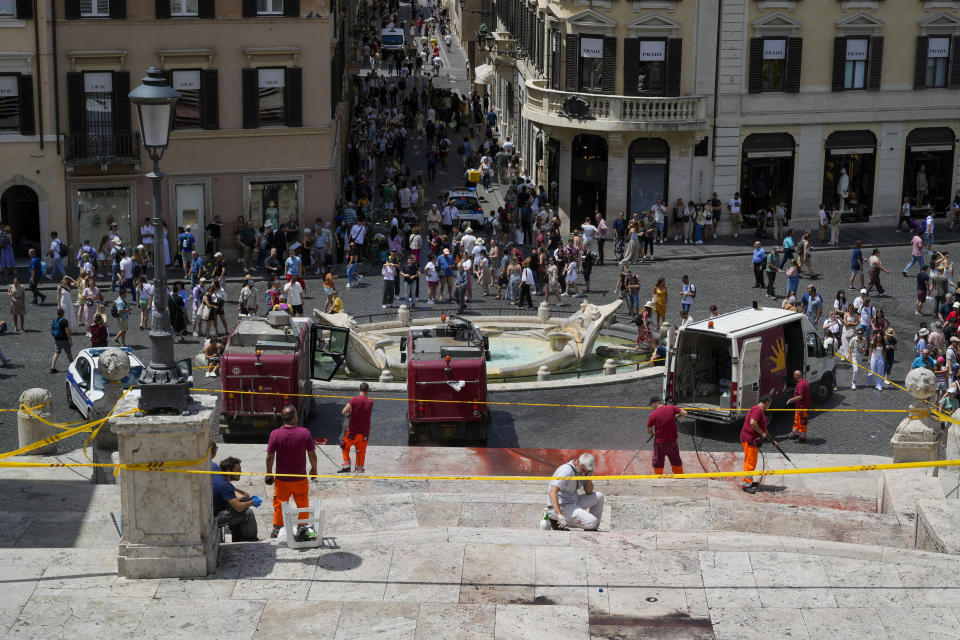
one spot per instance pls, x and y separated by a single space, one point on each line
20 208
588 184
767 174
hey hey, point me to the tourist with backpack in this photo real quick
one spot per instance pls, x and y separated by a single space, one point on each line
58 251
62 339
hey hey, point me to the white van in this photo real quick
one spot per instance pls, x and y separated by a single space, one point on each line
393 39
718 368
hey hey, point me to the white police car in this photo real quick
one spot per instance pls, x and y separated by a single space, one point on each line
85 384
468 204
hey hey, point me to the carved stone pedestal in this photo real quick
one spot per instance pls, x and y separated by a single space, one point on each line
168 525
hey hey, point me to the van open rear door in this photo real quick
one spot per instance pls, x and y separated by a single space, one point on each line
672 339
749 378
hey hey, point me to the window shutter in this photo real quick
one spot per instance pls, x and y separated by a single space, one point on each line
28 121
71 9
755 75
251 99
249 8
118 9
631 66
609 64
76 104
206 9
122 124
293 96
674 65
839 62
76 146
24 9
876 62
291 8
794 61
162 9
920 64
209 99
572 58
555 60
955 63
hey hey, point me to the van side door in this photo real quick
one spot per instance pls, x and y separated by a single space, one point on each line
749 374
328 350
812 367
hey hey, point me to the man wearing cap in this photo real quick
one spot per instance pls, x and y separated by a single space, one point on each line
800 400
446 266
569 509
187 243
662 424
751 436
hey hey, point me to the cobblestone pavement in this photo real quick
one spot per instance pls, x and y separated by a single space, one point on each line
719 280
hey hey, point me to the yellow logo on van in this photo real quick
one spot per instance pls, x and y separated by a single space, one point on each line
779 357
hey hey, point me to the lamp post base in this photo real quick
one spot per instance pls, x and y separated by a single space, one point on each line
166 395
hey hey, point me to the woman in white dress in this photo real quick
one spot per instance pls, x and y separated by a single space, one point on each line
632 253
65 301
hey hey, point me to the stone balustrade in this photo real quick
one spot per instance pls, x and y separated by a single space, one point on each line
613 112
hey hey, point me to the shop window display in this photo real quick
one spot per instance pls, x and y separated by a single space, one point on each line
849 172
928 169
97 208
277 202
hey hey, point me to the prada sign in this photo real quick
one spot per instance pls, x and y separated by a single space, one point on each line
591 47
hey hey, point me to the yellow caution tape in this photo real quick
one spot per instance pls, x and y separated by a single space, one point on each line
172 467
85 426
501 403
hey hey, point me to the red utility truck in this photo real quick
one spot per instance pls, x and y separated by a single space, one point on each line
268 363
446 362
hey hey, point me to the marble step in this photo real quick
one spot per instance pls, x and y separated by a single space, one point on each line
522 512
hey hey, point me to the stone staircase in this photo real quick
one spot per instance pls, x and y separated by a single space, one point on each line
686 559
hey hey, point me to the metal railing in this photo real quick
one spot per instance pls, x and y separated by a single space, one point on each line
631 109
101 148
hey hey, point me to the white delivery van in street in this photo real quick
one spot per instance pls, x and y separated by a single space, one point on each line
718 368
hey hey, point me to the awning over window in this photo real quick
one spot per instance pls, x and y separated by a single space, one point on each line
484 74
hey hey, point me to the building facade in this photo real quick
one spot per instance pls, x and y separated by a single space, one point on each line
618 104
257 131
31 173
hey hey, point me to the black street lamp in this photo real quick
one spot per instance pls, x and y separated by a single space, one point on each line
162 386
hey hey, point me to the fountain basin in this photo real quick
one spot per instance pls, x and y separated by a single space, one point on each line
520 346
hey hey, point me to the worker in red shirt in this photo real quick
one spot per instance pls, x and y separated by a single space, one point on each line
751 436
359 410
287 446
801 400
662 423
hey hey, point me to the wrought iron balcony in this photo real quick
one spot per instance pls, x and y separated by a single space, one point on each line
101 148
604 112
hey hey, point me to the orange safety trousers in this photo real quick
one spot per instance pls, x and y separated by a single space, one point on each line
282 490
354 440
800 421
750 453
